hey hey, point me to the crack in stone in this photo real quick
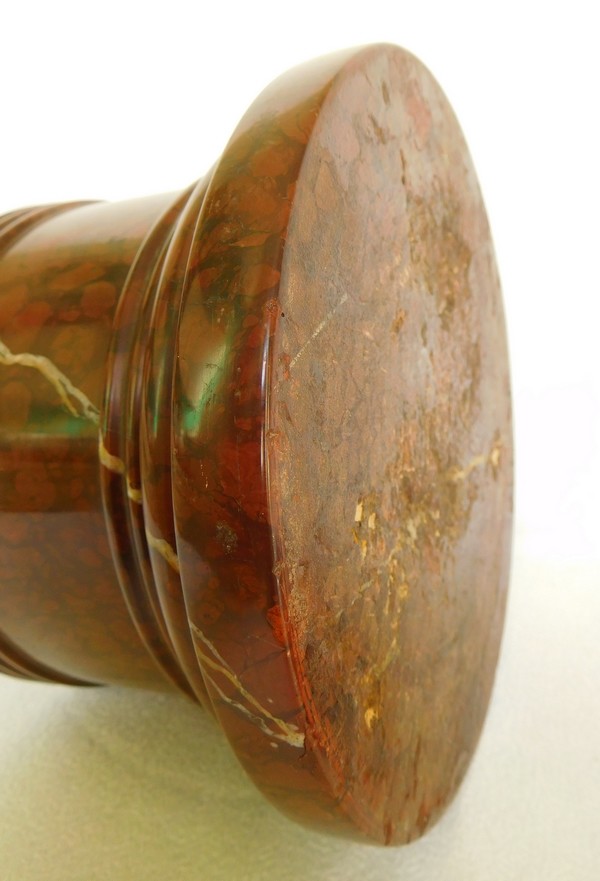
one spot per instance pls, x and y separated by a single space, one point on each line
288 732
456 474
409 535
318 329
61 383
296 740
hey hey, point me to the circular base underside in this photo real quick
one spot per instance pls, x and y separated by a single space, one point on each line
392 466
346 425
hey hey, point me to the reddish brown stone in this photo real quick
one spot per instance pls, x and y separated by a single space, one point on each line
256 444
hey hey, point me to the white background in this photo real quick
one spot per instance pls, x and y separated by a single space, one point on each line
115 100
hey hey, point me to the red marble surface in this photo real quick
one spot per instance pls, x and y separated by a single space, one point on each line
255 444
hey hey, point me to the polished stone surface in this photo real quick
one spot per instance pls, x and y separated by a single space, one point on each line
267 422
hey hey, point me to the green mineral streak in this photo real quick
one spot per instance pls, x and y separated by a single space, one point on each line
210 377
53 422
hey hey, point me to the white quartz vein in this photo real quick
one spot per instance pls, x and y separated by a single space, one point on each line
117 466
164 549
113 463
267 722
61 383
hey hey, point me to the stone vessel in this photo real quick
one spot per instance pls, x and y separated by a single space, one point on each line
256 445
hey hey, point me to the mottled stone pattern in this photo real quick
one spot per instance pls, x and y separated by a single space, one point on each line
156 366
62 614
392 447
229 314
146 298
255 444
